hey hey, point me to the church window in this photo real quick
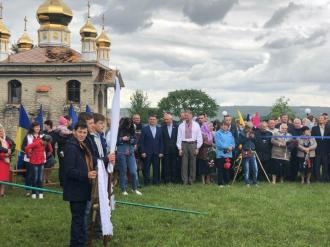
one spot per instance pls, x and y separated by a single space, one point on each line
14 92
73 91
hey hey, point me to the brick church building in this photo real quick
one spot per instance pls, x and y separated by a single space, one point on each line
51 73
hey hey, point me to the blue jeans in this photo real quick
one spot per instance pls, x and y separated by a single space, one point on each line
124 162
37 177
247 163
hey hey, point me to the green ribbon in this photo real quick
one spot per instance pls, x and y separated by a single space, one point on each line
117 202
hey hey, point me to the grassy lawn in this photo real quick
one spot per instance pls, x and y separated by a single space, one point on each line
282 215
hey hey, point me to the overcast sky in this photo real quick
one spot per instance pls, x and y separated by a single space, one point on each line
241 52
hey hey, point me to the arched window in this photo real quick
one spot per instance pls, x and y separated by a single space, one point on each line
73 91
14 92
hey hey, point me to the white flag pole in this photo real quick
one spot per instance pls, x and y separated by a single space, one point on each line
115 116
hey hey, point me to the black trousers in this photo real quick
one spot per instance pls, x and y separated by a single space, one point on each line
321 160
154 160
170 168
294 167
223 174
267 166
61 168
78 224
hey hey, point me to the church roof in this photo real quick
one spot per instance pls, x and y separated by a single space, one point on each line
106 76
41 55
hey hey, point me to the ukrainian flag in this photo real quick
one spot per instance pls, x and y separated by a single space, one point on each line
73 115
23 126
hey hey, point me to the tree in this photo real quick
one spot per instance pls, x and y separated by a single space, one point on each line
14 48
189 99
140 105
281 106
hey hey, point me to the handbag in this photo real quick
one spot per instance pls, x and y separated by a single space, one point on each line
50 162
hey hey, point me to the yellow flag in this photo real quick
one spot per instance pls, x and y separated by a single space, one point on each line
241 120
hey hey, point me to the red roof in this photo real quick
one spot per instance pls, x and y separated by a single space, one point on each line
46 55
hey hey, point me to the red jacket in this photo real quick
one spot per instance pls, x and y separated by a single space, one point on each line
36 152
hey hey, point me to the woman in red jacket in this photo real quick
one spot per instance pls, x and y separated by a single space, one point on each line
36 152
7 147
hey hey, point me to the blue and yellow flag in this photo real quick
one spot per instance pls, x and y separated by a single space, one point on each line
23 126
73 115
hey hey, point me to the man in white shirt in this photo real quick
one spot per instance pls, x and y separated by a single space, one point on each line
188 142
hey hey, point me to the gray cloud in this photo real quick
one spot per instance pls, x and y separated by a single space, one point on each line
281 15
317 38
124 16
205 12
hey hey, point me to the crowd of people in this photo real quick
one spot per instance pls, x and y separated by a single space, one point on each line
194 149
190 150
185 151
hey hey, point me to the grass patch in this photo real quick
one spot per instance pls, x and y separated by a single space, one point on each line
282 215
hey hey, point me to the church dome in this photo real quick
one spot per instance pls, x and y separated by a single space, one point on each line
25 42
88 30
103 40
4 32
54 13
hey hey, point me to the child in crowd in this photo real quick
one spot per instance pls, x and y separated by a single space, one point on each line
225 144
36 152
203 155
247 139
62 135
306 155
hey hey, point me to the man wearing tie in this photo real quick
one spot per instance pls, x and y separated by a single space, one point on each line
170 168
151 144
188 142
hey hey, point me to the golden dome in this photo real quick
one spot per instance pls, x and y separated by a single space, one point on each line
4 32
88 30
25 39
103 40
54 12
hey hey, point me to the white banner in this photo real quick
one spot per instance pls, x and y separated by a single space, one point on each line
105 210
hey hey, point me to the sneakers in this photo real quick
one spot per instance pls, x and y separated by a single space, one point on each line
136 192
124 193
28 194
34 196
41 196
221 186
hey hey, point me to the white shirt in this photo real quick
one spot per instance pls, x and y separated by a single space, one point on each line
153 130
107 138
98 143
322 130
196 135
169 130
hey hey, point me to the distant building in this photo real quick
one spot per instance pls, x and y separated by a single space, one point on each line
51 73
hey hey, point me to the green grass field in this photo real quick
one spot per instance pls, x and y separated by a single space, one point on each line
281 215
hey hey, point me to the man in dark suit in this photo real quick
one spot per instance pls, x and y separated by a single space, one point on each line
322 150
151 144
264 146
170 168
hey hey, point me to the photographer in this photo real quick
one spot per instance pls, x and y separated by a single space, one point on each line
247 140
125 155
